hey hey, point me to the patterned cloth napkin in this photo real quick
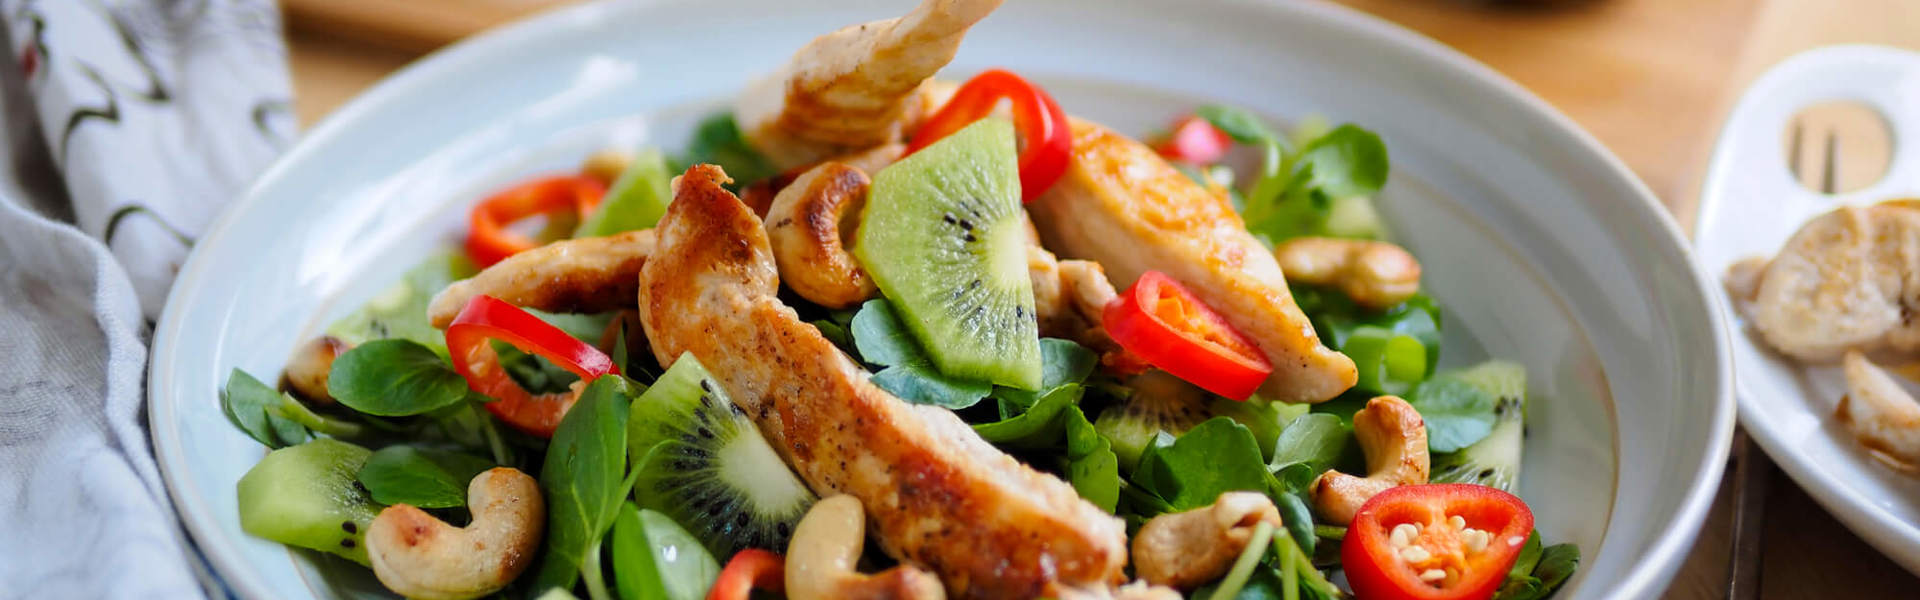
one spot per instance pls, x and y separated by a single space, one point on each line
129 125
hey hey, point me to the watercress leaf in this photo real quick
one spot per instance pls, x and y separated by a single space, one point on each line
717 140
835 333
420 477
1264 584
1092 467
1244 127
1299 521
1266 419
1038 427
1557 563
245 401
1528 558
288 431
1314 441
883 339
653 557
923 385
1457 413
394 378
1348 161
581 478
1063 362
1214 457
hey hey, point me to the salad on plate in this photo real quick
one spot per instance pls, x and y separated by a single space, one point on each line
872 334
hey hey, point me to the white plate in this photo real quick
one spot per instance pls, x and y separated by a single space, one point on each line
1750 205
1543 246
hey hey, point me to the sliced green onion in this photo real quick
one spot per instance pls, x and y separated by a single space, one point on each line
1243 566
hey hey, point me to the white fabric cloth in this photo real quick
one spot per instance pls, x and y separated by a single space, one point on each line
129 124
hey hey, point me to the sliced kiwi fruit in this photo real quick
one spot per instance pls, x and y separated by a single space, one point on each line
1494 460
1162 404
401 310
943 237
307 496
703 463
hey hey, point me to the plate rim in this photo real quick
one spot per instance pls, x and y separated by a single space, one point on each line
1647 576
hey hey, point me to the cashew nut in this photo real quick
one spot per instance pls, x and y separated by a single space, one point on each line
312 362
606 165
422 557
1069 297
804 226
1374 274
759 195
1394 439
1186 549
826 546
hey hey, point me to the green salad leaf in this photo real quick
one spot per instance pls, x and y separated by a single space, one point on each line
1062 362
1539 571
583 481
884 340
1310 445
1457 413
1244 127
1092 467
1348 161
421 477
395 378
1215 457
249 404
654 557
1319 189
1040 426
636 200
717 140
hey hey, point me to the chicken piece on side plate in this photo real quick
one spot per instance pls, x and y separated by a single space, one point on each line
858 87
1121 205
1847 280
937 494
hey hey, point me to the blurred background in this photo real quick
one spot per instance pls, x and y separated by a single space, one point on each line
1652 79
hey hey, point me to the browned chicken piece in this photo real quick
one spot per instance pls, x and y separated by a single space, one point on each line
936 493
1068 298
1847 280
857 87
1884 418
1121 205
586 275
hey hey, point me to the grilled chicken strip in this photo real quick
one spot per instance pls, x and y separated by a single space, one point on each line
857 87
586 275
1121 205
1847 280
936 493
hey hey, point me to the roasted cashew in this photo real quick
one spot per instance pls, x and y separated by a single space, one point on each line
1374 274
422 557
759 195
1069 297
307 371
1186 549
1394 439
607 165
825 547
804 225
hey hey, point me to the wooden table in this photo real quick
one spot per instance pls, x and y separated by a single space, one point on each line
1652 79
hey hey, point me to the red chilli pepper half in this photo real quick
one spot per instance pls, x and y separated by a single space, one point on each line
1168 326
749 570
1458 559
1040 125
488 318
1194 140
489 241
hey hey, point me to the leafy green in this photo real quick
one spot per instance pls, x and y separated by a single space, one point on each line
1295 197
1348 161
1215 457
394 378
583 481
421 477
1061 362
1242 126
884 340
1299 521
401 310
1336 318
1266 419
636 200
655 558
1309 446
1457 413
1040 426
535 374
1092 467
717 140
1539 571
247 403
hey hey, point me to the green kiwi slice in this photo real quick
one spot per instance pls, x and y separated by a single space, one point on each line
703 463
308 496
942 236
